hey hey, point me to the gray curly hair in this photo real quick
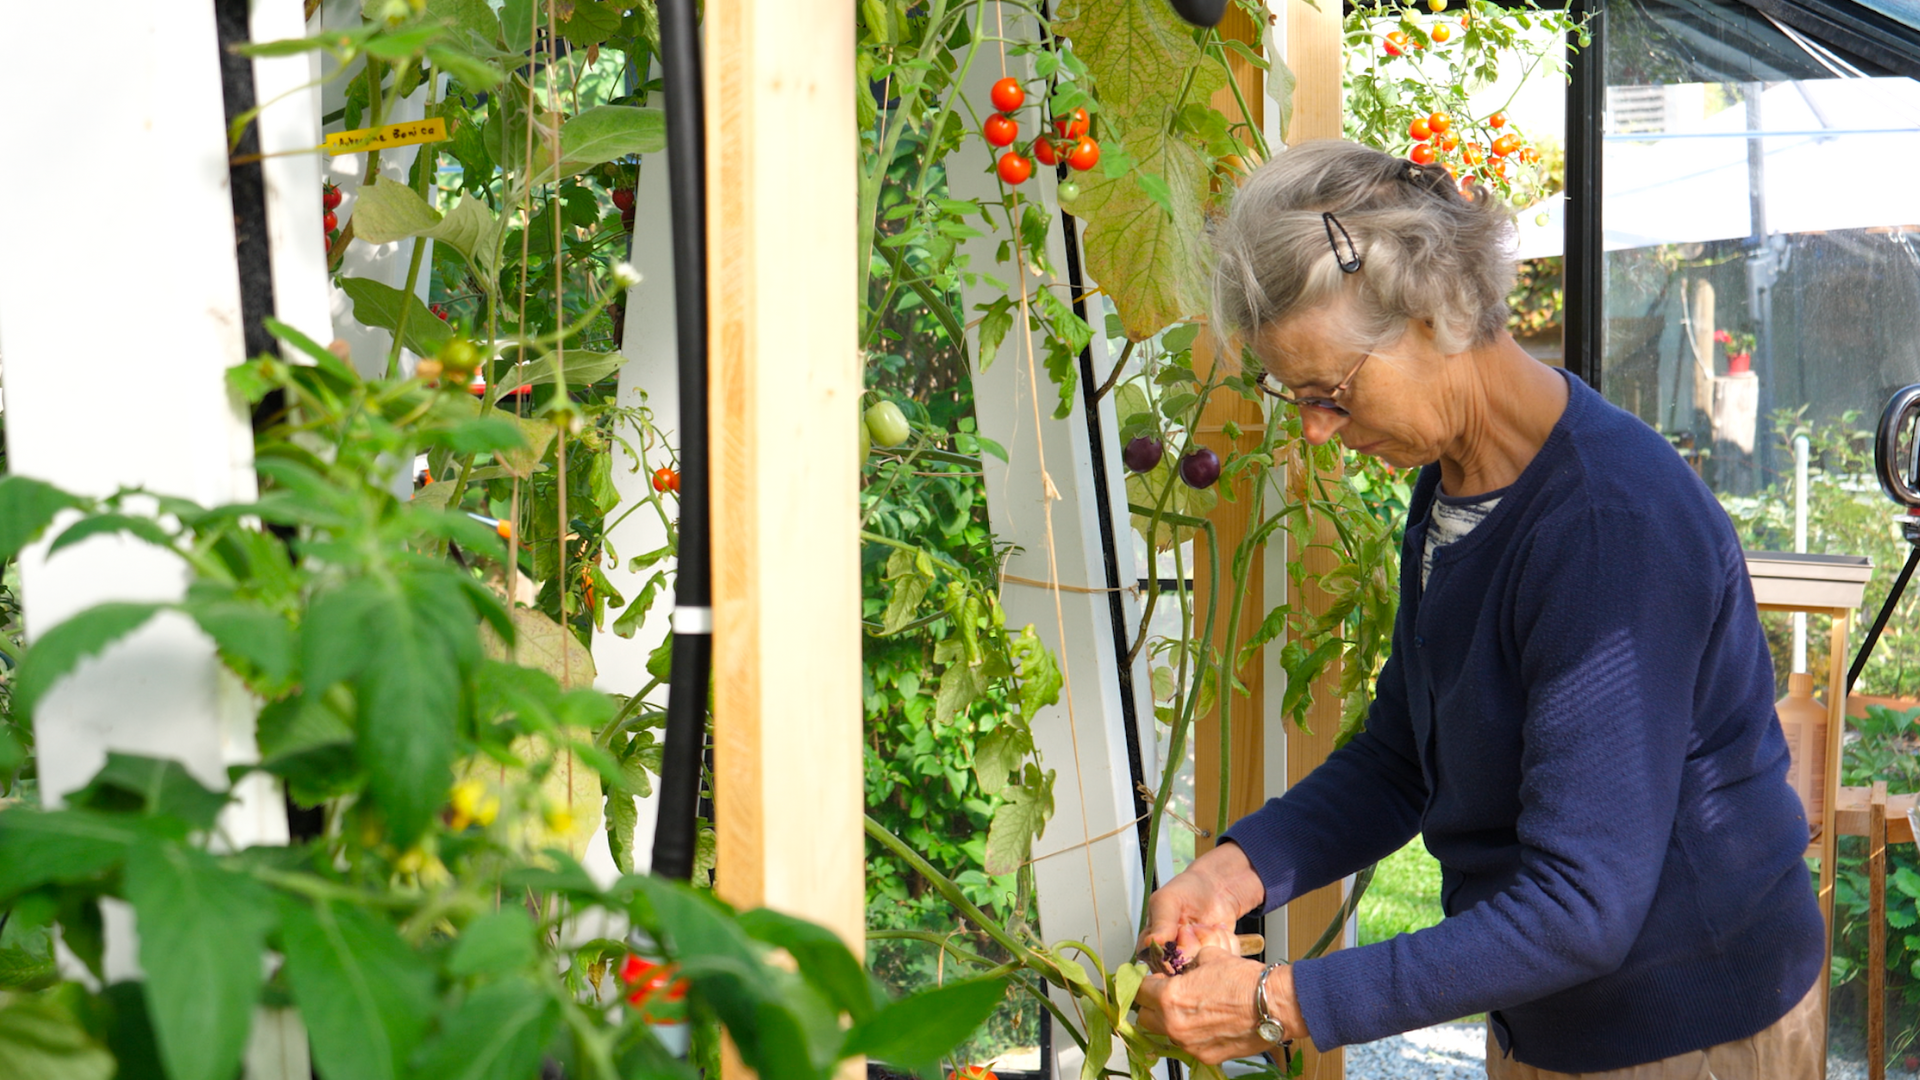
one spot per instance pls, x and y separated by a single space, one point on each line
1427 252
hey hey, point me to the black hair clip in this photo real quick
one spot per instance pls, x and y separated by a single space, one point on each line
1350 262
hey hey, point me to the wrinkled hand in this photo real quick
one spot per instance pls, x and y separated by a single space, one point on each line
1213 892
1207 1010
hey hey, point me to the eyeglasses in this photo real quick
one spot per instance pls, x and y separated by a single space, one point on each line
1272 387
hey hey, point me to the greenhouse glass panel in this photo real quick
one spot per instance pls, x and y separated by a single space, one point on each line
1758 222
1761 282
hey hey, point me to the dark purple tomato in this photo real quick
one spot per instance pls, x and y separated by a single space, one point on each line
1200 468
1142 453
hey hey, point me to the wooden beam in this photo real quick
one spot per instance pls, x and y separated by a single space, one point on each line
1314 54
785 375
1314 40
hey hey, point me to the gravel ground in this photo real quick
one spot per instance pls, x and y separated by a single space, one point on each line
1442 1052
1458 1052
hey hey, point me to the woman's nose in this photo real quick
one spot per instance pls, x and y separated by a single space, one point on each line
1319 425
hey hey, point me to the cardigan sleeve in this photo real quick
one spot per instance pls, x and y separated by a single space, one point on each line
1614 615
1359 806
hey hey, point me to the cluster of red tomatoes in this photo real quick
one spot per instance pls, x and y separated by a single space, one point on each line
1435 142
330 201
647 979
1071 144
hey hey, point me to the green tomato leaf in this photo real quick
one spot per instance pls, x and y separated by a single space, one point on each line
497 943
364 994
409 696
65 846
579 368
1021 816
202 934
80 637
824 960
498 1033
378 304
918 1031
39 1040
27 507
250 632
156 787
98 524
600 134
389 211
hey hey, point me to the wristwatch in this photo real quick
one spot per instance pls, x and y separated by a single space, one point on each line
1269 1028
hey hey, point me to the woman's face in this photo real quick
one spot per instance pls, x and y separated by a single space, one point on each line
1395 396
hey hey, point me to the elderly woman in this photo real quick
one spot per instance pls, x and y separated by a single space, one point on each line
1578 711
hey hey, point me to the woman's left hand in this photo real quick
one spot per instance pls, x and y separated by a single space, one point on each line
1207 1009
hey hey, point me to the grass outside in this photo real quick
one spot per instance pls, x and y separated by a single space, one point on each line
1404 896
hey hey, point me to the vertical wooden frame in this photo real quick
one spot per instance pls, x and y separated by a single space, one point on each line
785 381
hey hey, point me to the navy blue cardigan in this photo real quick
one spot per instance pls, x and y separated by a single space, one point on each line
1578 716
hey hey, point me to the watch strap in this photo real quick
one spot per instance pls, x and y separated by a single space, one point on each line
1263 1014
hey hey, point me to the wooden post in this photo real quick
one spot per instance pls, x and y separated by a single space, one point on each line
1877 932
1314 53
1233 520
1829 824
785 380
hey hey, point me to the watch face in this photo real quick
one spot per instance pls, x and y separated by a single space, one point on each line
1272 1032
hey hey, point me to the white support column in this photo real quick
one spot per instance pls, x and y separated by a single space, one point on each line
651 376
149 410
289 122
1093 891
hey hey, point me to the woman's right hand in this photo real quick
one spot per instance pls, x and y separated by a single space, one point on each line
1215 890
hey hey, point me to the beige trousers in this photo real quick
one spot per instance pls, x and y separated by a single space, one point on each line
1794 1048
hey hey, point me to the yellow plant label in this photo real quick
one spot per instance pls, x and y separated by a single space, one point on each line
413 131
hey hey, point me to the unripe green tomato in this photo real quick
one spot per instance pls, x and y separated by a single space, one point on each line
887 424
866 443
1068 192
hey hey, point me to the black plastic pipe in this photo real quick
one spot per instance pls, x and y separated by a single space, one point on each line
1583 267
1109 547
684 752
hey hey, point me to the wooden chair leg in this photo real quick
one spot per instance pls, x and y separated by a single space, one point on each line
1877 932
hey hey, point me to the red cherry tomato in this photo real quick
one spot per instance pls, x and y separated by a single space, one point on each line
1015 167
1529 155
1420 130
972 1072
330 197
633 969
623 200
1000 130
1007 95
1498 119
330 221
1422 154
1044 152
1391 49
1473 154
1504 145
1072 127
1497 169
665 479
1439 122
1450 143
1084 155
